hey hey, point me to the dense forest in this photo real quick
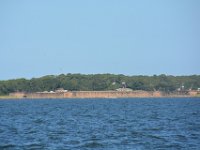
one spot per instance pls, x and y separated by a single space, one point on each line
99 82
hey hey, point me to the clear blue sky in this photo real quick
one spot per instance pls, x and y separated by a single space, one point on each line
143 37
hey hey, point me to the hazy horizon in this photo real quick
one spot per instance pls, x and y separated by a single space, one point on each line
144 37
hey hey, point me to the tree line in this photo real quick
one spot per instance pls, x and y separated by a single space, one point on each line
100 82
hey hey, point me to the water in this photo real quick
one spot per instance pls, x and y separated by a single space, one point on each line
150 123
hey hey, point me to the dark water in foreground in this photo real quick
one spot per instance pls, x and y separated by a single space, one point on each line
100 124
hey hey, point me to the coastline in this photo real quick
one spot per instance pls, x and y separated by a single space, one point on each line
99 94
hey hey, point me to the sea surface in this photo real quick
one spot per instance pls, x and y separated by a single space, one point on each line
100 124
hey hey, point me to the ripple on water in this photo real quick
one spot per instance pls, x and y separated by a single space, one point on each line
7 146
33 146
39 121
92 145
137 134
72 142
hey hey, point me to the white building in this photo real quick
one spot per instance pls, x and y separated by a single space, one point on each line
124 89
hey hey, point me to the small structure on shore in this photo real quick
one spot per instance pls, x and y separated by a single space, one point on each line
124 90
61 90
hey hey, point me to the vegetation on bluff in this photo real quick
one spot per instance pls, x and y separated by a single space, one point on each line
98 82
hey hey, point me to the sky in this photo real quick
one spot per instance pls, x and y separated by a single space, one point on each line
131 37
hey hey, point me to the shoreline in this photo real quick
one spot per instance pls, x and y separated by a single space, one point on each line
99 94
17 98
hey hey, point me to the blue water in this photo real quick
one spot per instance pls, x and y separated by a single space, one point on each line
150 123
